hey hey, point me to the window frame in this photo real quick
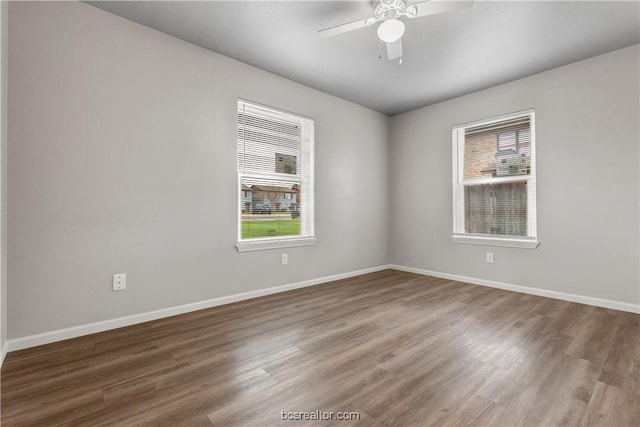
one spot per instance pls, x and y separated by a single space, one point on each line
459 235
305 179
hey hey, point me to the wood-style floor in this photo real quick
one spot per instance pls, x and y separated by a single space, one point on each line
395 347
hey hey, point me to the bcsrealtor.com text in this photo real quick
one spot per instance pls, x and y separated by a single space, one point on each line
319 415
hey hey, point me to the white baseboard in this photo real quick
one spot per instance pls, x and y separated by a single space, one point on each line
105 325
3 354
598 302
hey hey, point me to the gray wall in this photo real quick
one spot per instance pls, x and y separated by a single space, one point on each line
3 172
588 137
122 160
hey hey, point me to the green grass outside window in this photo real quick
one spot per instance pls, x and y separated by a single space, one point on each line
272 228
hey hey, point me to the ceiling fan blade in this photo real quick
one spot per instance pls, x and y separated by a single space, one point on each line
339 29
434 7
394 50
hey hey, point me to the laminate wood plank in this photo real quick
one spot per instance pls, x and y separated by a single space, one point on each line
309 391
474 412
572 318
80 381
622 365
183 400
612 406
518 384
56 411
395 347
23 360
56 366
546 306
196 372
198 421
595 336
204 399
563 396
448 385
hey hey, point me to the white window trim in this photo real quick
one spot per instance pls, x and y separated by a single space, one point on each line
509 242
459 236
267 243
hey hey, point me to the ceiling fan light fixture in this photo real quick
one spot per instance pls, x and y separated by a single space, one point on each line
391 30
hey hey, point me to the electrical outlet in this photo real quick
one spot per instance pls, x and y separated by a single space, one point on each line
285 259
489 257
119 282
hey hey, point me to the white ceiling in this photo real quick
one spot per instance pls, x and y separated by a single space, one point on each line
445 55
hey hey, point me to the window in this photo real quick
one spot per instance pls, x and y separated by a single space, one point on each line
275 178
494 182
518 140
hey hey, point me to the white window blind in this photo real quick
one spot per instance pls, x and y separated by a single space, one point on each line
275 175
494 181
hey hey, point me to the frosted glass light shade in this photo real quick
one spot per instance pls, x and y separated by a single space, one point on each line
391 30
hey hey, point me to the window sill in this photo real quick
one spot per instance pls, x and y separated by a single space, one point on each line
496 241
265 244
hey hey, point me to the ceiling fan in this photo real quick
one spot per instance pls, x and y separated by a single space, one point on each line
391 29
